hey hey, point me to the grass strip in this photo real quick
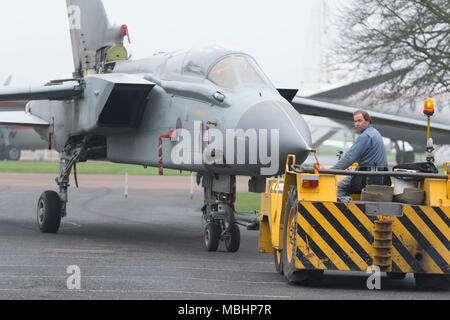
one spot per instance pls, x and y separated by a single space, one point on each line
104 168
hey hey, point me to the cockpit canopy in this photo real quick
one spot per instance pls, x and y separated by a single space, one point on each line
224 67
237 69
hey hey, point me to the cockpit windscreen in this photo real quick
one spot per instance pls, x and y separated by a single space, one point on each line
234 70
223 74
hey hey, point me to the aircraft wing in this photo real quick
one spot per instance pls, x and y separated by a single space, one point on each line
107 92
391 126
53 92
21 118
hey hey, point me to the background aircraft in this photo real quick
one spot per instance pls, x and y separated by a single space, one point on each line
401 120
14 139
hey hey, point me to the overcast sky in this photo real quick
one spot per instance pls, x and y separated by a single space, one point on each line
284 36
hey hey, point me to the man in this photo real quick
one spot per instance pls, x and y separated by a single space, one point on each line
368 151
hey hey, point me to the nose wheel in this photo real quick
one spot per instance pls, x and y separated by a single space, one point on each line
212 236
233 239
218 212
222 229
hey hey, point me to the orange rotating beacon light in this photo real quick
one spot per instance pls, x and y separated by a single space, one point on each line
428 110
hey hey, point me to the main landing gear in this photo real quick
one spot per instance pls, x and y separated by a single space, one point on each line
10 153
218 213
52 206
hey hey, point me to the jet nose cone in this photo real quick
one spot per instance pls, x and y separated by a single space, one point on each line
294 136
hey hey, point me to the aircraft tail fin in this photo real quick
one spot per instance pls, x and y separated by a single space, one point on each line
93 38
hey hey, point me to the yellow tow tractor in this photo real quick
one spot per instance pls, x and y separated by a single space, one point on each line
309 231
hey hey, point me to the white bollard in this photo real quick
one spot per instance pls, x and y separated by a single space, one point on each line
126 185
192 186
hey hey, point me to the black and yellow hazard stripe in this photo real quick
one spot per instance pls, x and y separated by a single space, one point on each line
339 236
333 235
425 232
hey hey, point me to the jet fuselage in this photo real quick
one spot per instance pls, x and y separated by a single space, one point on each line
204 95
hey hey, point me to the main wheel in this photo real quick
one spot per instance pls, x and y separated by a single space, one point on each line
12 153
289 254
49 212
233 239
212 236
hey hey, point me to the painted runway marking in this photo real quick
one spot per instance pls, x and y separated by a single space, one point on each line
87 251
126 255
74 225
147 277
133 267
256 296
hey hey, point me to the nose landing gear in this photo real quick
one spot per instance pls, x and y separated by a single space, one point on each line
218 213
221 226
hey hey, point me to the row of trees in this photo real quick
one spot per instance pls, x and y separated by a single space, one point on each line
379 36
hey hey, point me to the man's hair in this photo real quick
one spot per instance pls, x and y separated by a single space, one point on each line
365 115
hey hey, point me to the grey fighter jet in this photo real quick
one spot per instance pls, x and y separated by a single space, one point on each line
210 110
